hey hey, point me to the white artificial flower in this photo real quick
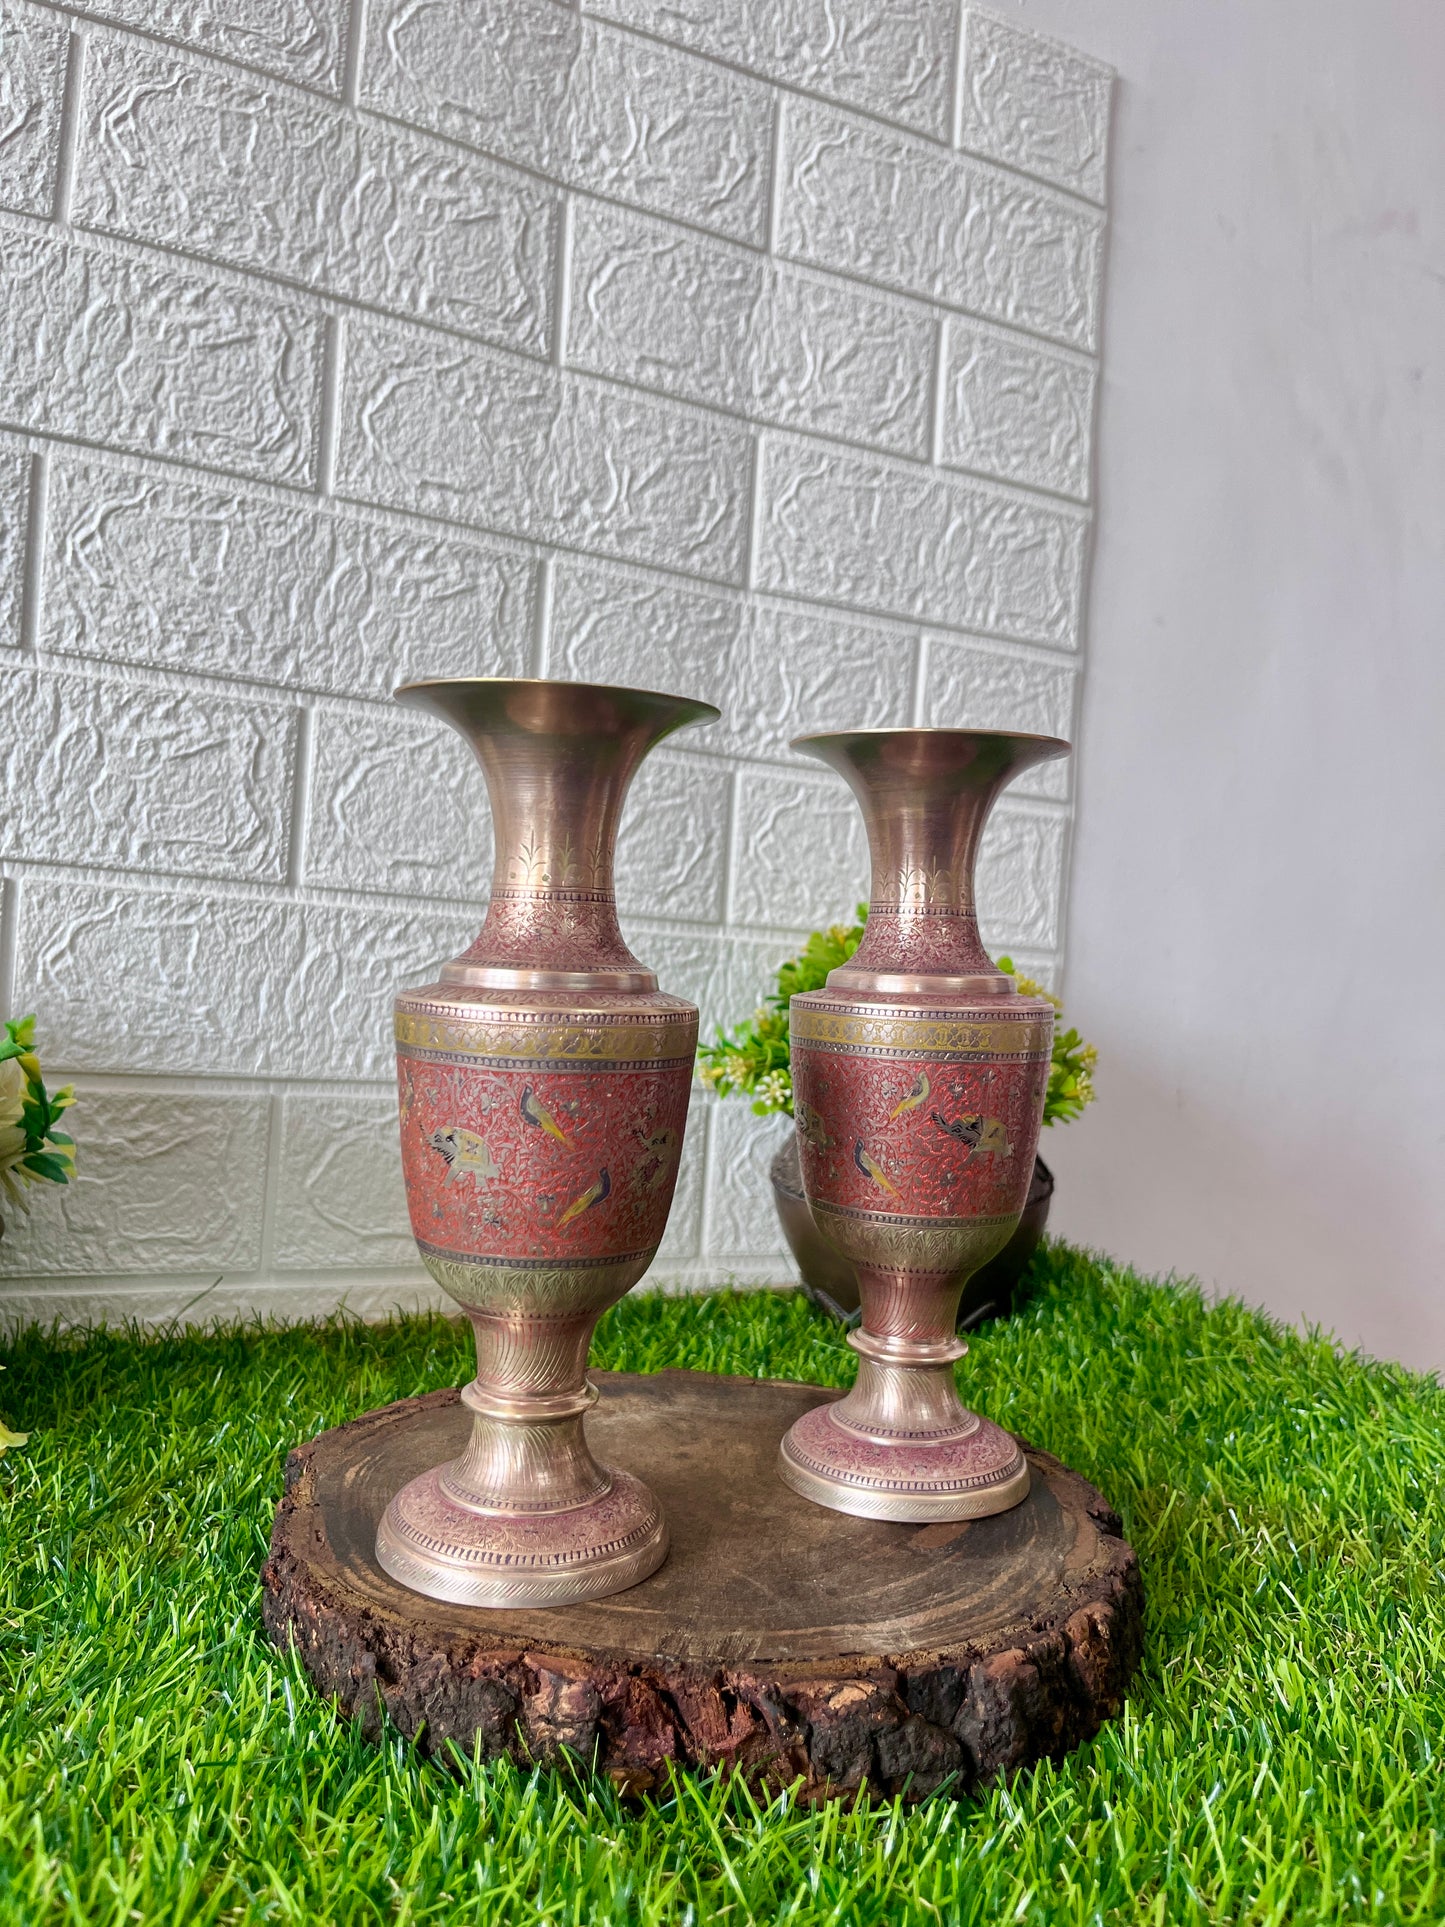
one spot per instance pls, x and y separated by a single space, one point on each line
12 1129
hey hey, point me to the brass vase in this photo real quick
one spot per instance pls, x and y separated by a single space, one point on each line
919 1075
543 1084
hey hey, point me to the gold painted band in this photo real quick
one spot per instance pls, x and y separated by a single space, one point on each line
555 1043
945 1036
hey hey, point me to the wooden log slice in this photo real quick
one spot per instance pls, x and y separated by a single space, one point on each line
778 1640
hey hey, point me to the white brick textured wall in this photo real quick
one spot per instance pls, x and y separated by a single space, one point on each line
726 346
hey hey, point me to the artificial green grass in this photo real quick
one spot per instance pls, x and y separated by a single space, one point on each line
1276 1762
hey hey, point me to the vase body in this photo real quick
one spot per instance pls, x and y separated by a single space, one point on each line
543 1084
831 1281
919 1076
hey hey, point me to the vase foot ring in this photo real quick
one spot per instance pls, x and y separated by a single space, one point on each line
446 1551
912 1480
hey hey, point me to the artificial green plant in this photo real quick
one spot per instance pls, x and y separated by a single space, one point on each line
32 1150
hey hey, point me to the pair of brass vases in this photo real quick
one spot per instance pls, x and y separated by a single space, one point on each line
544 1084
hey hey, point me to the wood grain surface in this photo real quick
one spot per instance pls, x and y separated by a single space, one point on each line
779 1639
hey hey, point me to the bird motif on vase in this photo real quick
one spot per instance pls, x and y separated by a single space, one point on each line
535 1112
918 1095
600 1188
659 1155
984 1135
872 1170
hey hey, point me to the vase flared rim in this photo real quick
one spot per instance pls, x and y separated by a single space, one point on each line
1057 745
699 710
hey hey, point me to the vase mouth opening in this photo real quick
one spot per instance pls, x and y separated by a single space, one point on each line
930 732
930 750
929 763
546 706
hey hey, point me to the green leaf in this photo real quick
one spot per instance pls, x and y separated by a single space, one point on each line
45 1164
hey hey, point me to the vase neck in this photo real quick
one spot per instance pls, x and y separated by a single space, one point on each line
926 795
558 759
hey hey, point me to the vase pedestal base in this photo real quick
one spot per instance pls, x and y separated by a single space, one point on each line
901 1445
969 1475
430 1542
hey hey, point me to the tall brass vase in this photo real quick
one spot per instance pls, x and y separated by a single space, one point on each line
543 1083
919 1074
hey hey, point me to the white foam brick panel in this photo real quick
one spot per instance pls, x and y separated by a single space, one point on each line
709 347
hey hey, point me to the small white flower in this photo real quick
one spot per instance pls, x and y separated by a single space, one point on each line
775 1088
12 1131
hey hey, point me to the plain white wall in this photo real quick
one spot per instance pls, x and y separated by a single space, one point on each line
1258 898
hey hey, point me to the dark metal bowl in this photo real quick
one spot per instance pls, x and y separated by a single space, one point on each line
832 1282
